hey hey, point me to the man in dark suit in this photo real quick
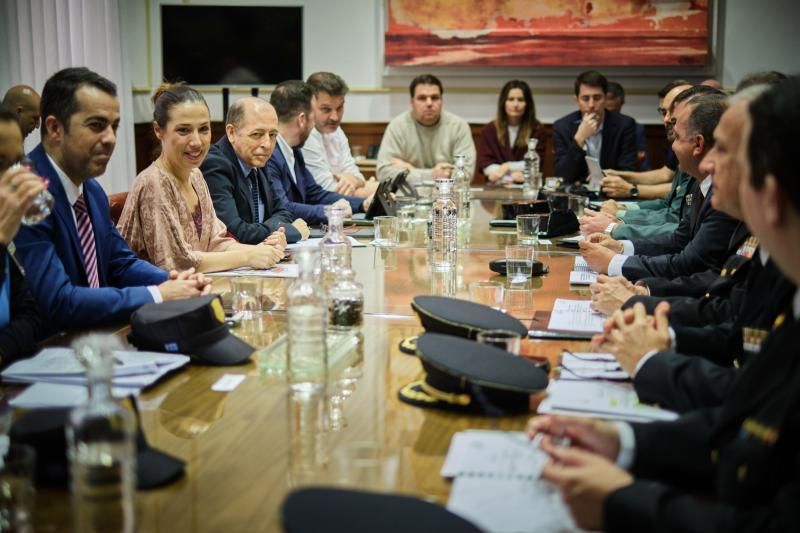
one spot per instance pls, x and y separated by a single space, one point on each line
733 467
80 269
20 320
705 237
307 200
593 131
251 206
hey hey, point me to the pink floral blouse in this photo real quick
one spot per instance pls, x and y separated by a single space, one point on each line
159 226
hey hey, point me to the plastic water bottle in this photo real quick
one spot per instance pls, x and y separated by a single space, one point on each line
461 190
101 447
530 172
444 227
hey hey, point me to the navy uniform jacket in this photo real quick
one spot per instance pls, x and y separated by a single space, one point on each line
52 257
702 373
703 240
745 454
233 201
307 199
18 339
618 150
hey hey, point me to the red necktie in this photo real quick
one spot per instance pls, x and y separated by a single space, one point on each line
86 236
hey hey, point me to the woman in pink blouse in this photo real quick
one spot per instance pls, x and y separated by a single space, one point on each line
504 141
169 218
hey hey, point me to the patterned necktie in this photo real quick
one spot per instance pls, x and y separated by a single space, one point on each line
254 194
86 236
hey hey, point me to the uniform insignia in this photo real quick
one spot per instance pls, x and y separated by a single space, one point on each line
755 429
689 199
778 321
748 247
752 338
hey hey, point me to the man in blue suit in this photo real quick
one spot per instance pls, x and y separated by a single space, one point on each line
80 269
307 200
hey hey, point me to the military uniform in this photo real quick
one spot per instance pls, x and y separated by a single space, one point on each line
655 217
745 454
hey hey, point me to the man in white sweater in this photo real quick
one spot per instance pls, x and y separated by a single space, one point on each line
425 139
327 150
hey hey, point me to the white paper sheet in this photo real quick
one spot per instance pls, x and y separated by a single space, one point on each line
575 315
581 265
489 453
601 399
583 365
281 270
42 395
582 278
315 242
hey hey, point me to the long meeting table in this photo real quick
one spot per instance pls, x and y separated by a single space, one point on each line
241 447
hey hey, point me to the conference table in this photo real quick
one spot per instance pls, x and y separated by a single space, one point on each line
245 450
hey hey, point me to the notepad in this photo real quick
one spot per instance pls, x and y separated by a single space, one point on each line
600 399
587 365
582 278
497 485
282 270
581 265
575 315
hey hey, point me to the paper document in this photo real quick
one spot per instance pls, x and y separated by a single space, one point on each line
576 239
600 399
587 365
582 278
487 453
315 242
581 265
43 395
575 315
281 270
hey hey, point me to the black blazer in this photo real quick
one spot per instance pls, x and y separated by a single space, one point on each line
703 240
744 454
618 150
18 339
230 192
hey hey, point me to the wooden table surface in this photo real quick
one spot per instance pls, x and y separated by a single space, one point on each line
239 445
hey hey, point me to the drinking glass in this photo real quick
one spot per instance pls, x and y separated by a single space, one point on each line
42 205
486 293
385 231
528 229
507 340
519 263
247 296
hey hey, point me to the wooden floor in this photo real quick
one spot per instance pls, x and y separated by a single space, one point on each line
241 447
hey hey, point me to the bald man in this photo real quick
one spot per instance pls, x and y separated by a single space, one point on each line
250 204
24 101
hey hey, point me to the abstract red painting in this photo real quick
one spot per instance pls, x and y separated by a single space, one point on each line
522 33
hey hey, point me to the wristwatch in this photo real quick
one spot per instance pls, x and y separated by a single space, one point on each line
634 192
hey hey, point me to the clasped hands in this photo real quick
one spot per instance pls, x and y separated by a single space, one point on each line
598 249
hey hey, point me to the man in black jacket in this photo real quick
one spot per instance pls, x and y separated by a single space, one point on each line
250 204
20 319
733 467
593 131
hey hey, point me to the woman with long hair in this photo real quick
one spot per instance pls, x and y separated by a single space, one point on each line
504 140
169 218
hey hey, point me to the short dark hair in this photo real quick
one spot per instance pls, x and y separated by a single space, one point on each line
769 77
774 117
327 82
616 90
693 92
592 78
290 98
9 115
168 95
425 79
58 95
706 111
671 85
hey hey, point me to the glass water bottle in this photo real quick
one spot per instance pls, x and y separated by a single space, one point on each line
444 227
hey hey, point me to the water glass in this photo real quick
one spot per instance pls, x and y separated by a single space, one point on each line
17 494
385 231
486 293
528 229
507 340
42 205
552 184
519 263
247 296
405 206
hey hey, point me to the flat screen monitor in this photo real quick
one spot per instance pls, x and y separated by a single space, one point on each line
231 45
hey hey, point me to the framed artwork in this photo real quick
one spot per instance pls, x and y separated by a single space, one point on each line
547 33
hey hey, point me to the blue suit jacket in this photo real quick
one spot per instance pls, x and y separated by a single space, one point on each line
307 199
51 255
